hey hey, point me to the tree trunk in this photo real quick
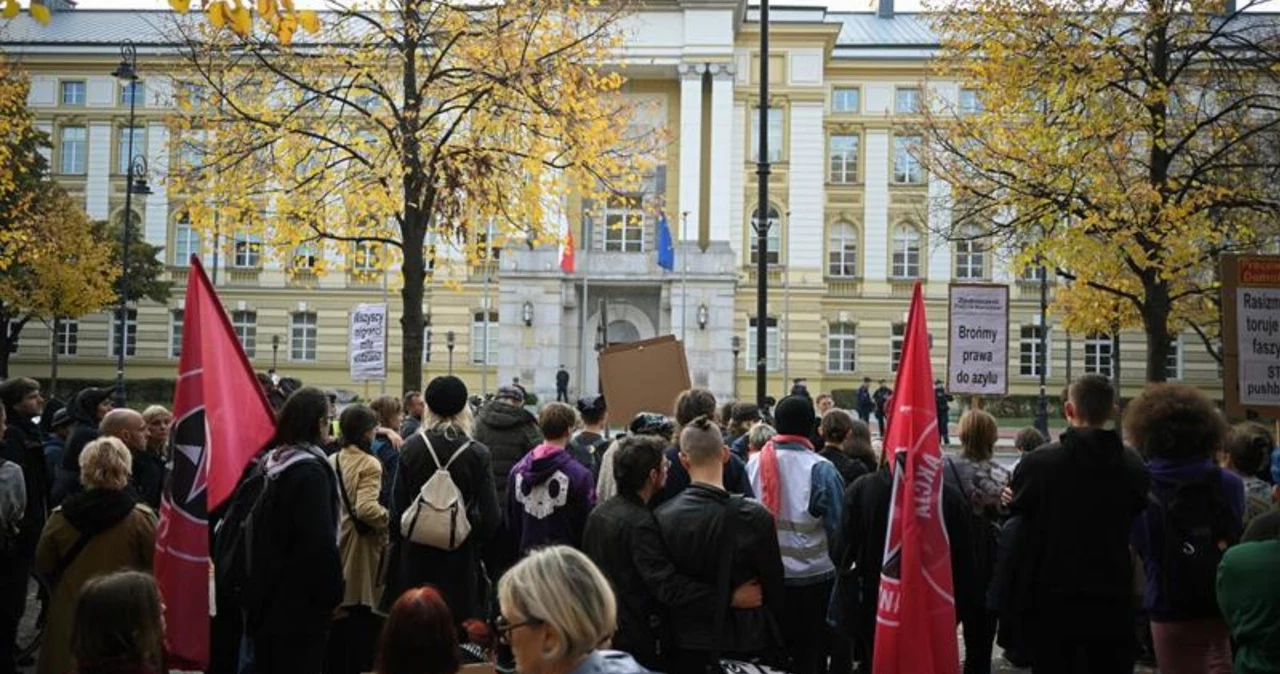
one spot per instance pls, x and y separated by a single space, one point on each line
10 329
1155 322
413 273
53 361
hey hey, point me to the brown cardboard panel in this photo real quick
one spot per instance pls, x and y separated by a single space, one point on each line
644 376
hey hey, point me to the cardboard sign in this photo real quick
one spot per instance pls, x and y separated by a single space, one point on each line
978 339
1251 334
368 343
644 376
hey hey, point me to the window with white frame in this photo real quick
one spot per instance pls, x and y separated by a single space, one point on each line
844 160
770 344
842 347
364 256
123 152
485 251
1173 361
897 337
175 333
773 239
906 252
624 225
971 255
842 251
302 336
1030 358
245 323
906 166
1098 354
73 92
969 104
846 99
67 337
484 338
186 241
775 134
73 143
1033 272
248 250
305 256
906 100
133 93
130 333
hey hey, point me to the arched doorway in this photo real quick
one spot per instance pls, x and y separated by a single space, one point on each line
623 332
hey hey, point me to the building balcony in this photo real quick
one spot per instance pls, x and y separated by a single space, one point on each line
844 287
244 275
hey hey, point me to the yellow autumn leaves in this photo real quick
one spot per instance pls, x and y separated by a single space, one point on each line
280 16
38 11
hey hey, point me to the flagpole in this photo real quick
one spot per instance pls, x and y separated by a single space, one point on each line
684 286
484 369
583 349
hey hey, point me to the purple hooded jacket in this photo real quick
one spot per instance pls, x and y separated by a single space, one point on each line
549 496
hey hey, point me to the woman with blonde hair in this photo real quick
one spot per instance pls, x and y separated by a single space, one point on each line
558 614
445 442
159 420
96 531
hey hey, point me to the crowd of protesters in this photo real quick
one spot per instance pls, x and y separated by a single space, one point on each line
415 535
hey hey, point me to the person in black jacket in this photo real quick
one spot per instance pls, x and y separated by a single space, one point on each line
147 479
509 431
23 444
639 468
836 429
690 405
1077 499
295 550
679 556
943 402
87 411
562 385
456 573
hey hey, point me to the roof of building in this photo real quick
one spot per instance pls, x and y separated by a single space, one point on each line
90 27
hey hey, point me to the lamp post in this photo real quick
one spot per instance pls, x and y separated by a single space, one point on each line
450 340
1042 404
762 212
275 350
736 345
127 73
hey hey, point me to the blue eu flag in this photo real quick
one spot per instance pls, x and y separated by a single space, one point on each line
666 246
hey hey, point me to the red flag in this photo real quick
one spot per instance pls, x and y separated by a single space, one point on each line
566 252
221 419
916 612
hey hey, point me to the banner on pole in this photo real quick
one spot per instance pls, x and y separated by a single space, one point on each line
978 344
368 342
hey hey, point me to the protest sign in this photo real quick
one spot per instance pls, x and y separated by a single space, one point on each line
368 342
978 340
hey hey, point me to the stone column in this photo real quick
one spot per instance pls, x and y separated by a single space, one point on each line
722 139
875 216
690 148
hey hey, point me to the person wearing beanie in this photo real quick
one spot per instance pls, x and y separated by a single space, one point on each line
804 492
446 440
87 411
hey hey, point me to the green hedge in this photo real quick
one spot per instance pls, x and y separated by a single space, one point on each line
1007 407
135 390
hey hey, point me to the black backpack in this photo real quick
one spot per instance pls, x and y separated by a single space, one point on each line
234 538
1197 528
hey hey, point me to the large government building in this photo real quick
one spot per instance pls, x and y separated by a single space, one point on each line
851 230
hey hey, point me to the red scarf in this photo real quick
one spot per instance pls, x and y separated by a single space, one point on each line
770 478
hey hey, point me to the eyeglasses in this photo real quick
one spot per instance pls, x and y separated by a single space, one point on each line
503 628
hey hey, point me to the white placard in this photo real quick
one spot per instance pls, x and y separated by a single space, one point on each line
1258 338
368 342
978 343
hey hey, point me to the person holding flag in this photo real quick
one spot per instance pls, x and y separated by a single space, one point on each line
908 550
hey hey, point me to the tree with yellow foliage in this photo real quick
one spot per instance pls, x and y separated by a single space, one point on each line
1128 144
407 126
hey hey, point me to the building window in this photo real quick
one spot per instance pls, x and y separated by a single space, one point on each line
186 241
1030 359
842 251
775 134
365 256
305 257
844 160
484 251
302 337
1033 273
906 100
248 250
139 136
846 99
770 344
971 255
906 166
73 150
175 333
624 225
897 336
969 103
73 93
1097 354
132 93
245 324
1173 362
906 252
67 337
842 348
773 240
130 333
484 338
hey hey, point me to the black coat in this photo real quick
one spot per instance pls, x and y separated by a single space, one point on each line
683 570
562 379
850 469
457 574
613 541
148 478
734 476
22 444
67 481
509 432
1077 499
304 570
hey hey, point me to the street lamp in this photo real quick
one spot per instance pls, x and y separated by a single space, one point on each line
704 316
127 73
450 340
736 343
275 350
762 211
526 313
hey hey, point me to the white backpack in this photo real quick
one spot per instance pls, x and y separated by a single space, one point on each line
438 517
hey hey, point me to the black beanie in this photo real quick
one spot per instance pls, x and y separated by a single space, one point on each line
794 416
445 396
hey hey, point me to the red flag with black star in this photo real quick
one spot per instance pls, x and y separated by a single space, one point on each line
221 419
